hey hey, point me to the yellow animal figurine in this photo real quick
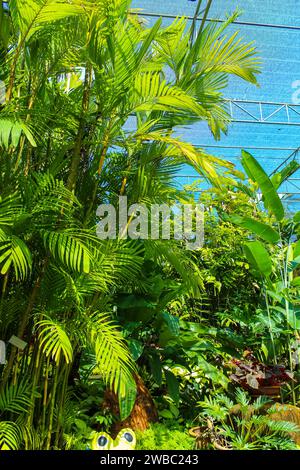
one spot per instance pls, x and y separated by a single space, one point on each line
125 440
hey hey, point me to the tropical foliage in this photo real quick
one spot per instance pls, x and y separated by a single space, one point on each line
95 100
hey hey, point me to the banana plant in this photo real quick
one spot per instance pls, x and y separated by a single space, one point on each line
272 250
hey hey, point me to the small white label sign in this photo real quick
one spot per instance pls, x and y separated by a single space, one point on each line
19 343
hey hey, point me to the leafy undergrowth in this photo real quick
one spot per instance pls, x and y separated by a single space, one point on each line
162 437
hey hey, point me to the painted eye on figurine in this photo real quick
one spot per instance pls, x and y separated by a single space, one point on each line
128 437
102 441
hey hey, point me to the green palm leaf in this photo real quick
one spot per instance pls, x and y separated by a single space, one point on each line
16 398
14 252
69 248
54 340
30 15
112 355
11 131
10 435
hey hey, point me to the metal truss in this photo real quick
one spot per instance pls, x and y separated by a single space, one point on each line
291 157
288 196
264 112
217 20
241 147
262 116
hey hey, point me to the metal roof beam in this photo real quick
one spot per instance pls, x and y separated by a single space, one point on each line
240 147
259 112
217 20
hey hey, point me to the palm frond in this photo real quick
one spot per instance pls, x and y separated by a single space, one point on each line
14 252
54 340
112 355
29 16
16 398
69 248
11 435
11 131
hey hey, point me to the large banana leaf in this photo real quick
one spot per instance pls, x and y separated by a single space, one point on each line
258 257
262 230
258 175
293 318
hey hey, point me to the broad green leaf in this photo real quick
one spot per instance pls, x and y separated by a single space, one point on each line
297 249
166 414
126 402
11 131
212 372
156 367
275 295
258 175
262 230
296 282
172 322
136 348
258 257
293 317
194 327
173 386
170 328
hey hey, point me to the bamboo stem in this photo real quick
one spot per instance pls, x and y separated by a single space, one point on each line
52 407
72 179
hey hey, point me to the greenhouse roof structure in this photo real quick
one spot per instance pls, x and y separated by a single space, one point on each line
265 119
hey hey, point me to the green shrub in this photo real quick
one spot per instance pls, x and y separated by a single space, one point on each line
161 437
